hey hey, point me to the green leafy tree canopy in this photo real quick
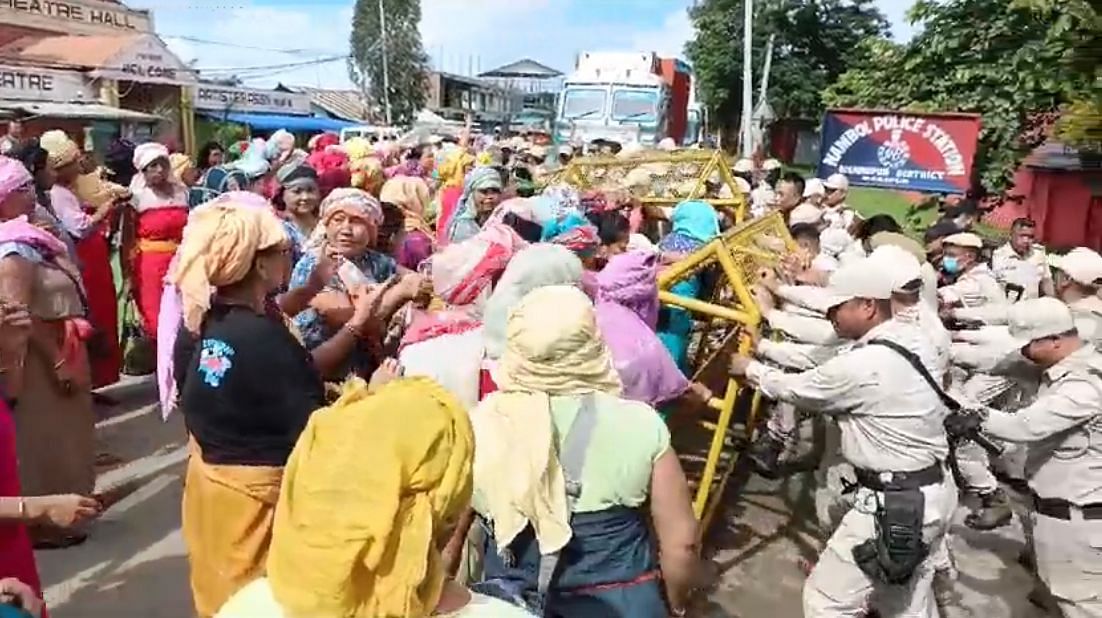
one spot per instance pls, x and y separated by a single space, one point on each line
407 62
1016 62
813 43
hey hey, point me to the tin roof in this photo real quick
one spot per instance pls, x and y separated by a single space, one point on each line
345 104
68 50
525 67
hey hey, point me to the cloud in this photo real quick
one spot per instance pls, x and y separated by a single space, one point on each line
459 35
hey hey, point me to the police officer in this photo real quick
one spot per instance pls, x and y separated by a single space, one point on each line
1076 280
890 421
1019 265
1063 430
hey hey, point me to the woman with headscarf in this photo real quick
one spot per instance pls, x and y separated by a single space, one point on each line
695 224
414 242
446 343
481 195
183 169
520 214
256 168
299 198
37 161
347 232
452 166
563 468
89 231
159 213
247 389
45 372
537 266
372 547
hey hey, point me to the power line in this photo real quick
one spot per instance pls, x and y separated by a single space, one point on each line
272 66
192 39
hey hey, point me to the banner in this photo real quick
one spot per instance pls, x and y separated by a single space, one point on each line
899 150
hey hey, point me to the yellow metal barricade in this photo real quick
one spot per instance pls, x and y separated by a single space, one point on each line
660 178
740 254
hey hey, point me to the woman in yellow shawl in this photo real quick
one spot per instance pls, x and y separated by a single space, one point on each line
358 530
564 468
247 388
413 244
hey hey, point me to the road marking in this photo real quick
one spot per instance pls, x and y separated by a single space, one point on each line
128 416
145 466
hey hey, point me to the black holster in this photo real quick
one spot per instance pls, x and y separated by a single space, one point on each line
892 556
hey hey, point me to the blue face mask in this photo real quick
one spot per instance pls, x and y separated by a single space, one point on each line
950 265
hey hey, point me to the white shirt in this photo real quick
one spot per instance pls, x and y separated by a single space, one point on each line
890 418
803 328
975 288
1027 272
1063 428
839 216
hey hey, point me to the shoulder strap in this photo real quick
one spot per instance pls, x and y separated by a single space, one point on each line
914 361
576 446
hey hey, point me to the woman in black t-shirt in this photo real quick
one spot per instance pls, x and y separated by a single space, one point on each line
247 389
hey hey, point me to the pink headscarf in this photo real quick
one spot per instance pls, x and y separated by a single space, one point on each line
12 176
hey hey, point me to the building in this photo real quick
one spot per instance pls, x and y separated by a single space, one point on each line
97 69
539 86
454 96
349 105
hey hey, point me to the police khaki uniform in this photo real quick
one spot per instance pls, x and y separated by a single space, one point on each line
977 296
1078 275
1020 275
890 420
1063 430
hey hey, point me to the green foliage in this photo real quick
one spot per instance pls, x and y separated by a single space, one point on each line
407 62
813 45
1015 62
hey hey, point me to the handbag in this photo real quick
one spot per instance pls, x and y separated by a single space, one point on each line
139 352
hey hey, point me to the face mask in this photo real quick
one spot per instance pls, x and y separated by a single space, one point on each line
950 265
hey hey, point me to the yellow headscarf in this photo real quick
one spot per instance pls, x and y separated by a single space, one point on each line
553 348
220 242
366 497
454 168
61 150
180 164
412 195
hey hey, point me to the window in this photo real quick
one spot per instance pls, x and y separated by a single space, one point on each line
636 105
583 103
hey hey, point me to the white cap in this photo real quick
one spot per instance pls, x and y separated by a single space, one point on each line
805 213
743 166
900 265
743 185
902 241
859 278
1081 264
834 240
638 242
667 144
963 239
814 186
836 181
1038 318
771 164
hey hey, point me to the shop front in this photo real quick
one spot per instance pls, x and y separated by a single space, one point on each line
43 99
257 112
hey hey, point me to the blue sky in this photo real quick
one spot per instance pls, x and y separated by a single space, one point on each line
458 34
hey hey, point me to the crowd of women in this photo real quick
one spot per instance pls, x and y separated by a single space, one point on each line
411 386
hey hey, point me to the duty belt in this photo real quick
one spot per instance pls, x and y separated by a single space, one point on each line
882 481
1059 508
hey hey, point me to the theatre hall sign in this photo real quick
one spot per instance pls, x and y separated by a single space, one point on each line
75 16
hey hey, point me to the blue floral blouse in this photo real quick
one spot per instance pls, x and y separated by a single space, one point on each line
375 266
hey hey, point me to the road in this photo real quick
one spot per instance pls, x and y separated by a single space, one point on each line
134 563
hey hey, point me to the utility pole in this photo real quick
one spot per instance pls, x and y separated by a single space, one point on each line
747 79
386 68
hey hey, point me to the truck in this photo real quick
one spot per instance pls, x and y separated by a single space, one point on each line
624 97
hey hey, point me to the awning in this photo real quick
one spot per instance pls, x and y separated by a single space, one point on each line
271 122
93 111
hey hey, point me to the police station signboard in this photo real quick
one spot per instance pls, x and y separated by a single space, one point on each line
900 150
226 99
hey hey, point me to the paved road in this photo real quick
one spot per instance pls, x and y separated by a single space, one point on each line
134 562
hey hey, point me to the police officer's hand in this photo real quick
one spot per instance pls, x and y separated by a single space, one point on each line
961 423
738 365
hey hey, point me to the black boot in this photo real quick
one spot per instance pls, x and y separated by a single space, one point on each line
765 454
994 512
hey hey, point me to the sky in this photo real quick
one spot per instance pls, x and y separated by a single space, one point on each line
252 37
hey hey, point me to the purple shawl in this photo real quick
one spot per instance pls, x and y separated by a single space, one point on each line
627 313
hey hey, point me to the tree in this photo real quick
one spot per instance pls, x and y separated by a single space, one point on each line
1016 62
813 45
407 63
